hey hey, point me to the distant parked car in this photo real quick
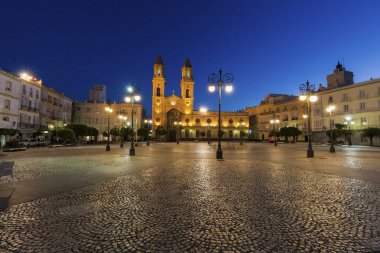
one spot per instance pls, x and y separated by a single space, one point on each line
30 143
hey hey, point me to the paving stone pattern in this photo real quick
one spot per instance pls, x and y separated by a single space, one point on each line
202 206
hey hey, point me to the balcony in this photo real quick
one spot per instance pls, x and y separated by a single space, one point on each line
371 109
29 109
294 118
28 125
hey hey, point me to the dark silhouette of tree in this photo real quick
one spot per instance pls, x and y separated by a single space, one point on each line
371 132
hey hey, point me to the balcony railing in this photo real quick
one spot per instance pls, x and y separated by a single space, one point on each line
29 109
28 125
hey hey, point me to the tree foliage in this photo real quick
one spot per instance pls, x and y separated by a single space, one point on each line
8 131
125 132
161 131
66 134
371 132
142 133
289 131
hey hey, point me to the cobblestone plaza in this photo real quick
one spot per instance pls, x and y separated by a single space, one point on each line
178 198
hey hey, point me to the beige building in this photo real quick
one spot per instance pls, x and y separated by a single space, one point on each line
178 116
56 109
357 106
95 115
287 109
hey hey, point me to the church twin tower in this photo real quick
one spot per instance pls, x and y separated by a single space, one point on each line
167 110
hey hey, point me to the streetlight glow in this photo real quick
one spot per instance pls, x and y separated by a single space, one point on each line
313 98
203 109
127 99
137 98
229 88
303 97
211 88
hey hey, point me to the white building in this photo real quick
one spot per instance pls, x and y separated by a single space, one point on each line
9 103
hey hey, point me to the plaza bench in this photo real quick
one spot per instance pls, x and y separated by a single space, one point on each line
6 169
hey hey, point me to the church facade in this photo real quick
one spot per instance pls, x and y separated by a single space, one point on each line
176 114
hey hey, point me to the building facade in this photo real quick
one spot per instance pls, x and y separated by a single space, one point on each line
95 115
178 116
287 109
56 109
357 106
30 107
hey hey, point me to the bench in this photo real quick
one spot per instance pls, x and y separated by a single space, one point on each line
6 169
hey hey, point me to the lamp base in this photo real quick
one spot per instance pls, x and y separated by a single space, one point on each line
108 148
132 151
219 154
310 153
332 149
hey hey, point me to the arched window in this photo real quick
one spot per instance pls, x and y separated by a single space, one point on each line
158 93
187 93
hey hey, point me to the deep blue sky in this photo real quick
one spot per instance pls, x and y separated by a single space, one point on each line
269 46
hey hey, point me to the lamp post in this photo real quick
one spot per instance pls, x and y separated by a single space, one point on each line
220 81
176 129
109 110
349 121
131 99
330 109
307 94
149 123
273 122
241 124
122 117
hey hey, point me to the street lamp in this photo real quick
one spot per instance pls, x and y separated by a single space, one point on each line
149 123
349 121
109 110
131 99
330 109
178 125
307 94
220 82
241 124
122 118
274 121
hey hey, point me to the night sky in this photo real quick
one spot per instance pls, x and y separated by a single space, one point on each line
269 46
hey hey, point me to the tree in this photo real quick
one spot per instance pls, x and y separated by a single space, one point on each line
142 133
125 132
8 131
80 130
93 132
114 132
105 134
371 132
289 131
160 131
66 134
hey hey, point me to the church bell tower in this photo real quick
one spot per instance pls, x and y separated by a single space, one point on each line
187 87
158 93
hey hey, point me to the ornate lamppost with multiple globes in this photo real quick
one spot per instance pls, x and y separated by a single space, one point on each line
133 96
307 94
330 109
109 110
220 82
